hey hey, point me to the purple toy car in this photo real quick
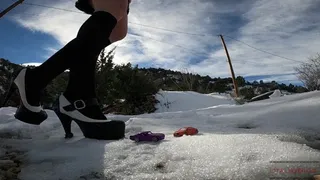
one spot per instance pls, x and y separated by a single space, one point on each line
147 136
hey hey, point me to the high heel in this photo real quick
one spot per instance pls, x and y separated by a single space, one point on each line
101 129
26 113
66 123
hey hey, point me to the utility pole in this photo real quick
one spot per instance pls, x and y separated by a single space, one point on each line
10 8
231 68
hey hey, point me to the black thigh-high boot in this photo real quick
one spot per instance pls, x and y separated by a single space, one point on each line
30 82
93 36
79 102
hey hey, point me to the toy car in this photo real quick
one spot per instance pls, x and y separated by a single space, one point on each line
147 136
185 131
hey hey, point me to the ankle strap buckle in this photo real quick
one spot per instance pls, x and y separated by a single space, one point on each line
79 104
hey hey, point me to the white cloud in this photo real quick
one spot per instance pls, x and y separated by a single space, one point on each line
31 64
287 28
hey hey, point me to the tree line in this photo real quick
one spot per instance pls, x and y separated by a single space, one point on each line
127 89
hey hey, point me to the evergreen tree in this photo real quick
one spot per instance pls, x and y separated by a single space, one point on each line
240 81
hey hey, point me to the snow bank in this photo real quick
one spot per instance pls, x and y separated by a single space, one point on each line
276 93
235 142
187 100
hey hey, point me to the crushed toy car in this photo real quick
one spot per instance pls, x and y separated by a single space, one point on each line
147 136
185 131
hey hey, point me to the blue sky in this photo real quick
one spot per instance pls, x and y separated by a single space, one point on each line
180 35
20 45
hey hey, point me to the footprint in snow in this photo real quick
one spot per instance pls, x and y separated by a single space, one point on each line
247 126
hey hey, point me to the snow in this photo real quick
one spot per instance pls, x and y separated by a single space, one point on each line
31 64
235 141
275 94
171 101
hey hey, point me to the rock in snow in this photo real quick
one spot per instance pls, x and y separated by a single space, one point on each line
9 164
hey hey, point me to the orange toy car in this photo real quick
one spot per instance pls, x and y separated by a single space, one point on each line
186 131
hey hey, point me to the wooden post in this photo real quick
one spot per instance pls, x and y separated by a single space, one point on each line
10 8
231 68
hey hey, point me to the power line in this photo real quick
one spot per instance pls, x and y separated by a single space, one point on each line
8 9
139 35
263 50
179 46
193 34
164 29
182 47
50 7
169 30
242 62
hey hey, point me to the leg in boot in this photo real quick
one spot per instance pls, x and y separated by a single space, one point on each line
79 102
31 81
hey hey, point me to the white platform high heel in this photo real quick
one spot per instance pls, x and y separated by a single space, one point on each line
102 129
26 112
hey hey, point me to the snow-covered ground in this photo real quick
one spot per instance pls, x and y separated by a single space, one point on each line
171 101
235 142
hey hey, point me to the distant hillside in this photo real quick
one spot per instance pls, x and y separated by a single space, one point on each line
167 80
6 69
179 81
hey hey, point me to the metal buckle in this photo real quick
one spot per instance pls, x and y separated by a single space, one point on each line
76 103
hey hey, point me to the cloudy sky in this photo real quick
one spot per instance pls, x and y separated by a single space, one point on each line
266 38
